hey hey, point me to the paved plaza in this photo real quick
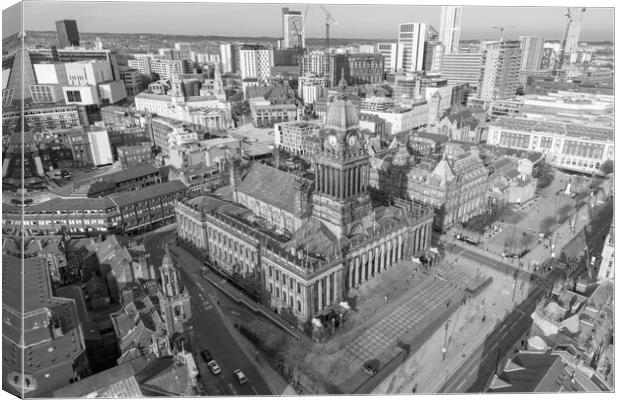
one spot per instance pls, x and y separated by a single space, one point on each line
388 331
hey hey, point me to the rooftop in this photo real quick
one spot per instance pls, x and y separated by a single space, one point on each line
270 185
558 127
134 172
147 193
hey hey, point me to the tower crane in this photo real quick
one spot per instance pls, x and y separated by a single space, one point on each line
300 31
501 30
329 19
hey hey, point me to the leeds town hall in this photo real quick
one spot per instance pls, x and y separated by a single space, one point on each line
305 240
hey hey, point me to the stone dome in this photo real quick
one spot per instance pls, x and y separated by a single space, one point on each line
342 115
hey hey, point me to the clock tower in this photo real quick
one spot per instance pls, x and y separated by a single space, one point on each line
340 198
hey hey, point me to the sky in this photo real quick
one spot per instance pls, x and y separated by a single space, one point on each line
354 21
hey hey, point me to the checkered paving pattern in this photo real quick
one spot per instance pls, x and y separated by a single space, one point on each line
457 276
387 331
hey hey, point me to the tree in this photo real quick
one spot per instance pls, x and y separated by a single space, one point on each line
545 176
546 224
607 167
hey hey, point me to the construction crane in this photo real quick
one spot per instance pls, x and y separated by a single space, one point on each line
329 19
569 16
501 30
300 39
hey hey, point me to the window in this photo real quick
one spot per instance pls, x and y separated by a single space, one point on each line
284 296
298 306
290 283
298 287
278 293
74 95
277 276
270 271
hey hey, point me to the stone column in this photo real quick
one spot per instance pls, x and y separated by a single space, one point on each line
429 229
319 293
343 189
399 248
366 268
377 260
351 270
328 287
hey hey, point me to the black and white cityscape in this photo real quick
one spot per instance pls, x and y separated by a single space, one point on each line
206 199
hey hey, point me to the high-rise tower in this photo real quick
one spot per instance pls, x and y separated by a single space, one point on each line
293 29
450 28
68 34
532 52
411 40
500 70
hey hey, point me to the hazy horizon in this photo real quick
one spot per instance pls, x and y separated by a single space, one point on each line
377 22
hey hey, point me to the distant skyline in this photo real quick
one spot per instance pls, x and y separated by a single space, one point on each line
355 21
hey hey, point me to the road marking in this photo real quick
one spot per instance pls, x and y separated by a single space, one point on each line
254 390
461 385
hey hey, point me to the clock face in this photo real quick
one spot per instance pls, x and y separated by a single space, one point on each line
352 140
332 140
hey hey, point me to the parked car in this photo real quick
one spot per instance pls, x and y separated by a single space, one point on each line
206 355
213 367
240 376
370 369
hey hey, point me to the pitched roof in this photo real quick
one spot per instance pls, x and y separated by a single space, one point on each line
149 192
134 172
117 381
72 203
270 185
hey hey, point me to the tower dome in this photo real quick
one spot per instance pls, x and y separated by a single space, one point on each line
342 115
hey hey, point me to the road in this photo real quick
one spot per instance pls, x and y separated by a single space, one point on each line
210 332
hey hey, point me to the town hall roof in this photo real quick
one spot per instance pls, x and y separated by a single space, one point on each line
270 185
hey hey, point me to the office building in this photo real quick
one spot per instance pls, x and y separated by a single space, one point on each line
73 54
433 56
450 28
462 68
389 51
185 50
133 211
295 137
43 117
99 146
134 81
42 340
315 63
46 94
310 88
227 57
293 29
255 62
132 155
500 73
264 114
68 35
411 38
413 115
359 69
